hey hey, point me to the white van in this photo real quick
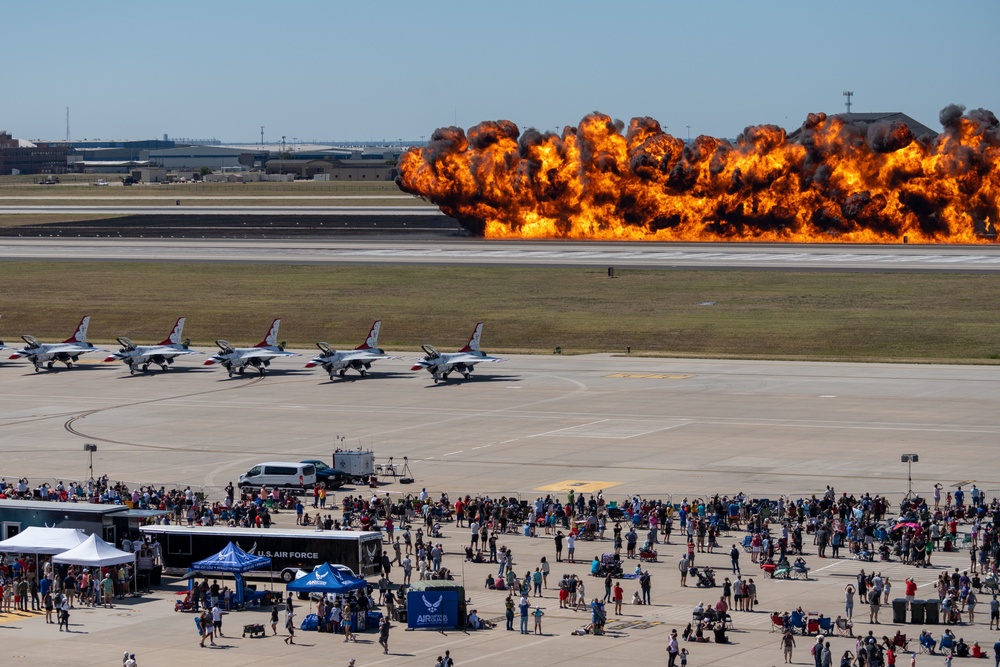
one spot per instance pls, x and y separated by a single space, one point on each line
287 474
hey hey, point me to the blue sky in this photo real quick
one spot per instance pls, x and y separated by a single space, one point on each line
396 70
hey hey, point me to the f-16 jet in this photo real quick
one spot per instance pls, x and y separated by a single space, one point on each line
360 358
162 354
441 364
236 359
67 352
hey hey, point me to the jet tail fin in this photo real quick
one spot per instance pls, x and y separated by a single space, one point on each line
372 341
80 335
473 344
271 339
175 334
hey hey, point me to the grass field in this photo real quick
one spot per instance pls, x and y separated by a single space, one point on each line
753 314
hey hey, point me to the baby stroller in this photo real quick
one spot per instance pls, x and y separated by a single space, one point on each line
611 564
706 577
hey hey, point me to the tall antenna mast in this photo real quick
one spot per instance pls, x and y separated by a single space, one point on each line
261 136
848 94
67 123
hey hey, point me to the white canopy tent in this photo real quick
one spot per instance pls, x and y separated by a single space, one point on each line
45 541
94 552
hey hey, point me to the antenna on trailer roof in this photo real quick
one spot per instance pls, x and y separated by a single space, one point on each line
261 136
67 123
848 94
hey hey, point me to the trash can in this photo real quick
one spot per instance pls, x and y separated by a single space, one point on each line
917 612
899 610
932 610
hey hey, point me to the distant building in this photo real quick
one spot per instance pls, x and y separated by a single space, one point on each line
18 156
213 157
916 127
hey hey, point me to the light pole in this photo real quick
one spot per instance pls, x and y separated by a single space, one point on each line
90 448
909 460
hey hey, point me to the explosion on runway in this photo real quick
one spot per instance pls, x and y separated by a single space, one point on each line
838 181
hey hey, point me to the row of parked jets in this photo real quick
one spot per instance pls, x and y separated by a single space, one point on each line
237 360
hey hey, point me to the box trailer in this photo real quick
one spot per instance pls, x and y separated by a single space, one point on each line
289 550
356 463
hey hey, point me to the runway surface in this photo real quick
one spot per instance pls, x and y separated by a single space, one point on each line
220 210
631 424
451 251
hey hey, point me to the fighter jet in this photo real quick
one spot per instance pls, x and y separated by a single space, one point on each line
360 358
236 359
68 351
464 361
162 354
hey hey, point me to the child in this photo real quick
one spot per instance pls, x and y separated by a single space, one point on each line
684 657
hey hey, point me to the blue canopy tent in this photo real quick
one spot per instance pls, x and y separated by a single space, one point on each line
235 560
325 579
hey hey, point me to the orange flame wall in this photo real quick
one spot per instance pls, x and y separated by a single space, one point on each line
837 181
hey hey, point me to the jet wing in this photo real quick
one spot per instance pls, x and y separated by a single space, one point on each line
263 353
365 355
468 359
61 348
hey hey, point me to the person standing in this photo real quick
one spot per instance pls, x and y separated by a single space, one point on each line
383 634
546 569
290 626
734 559
274 620
609 583
64 613
571 547
619 594
849 602
683 567
787 643
827 656
523 606
817 651
217 619
559 545
646 585
509 612
672 648
538 613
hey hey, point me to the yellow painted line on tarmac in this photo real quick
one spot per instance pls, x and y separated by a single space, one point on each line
577 485
14 616
649 376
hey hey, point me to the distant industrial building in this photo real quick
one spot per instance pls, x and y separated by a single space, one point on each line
340 164
18 156
212 157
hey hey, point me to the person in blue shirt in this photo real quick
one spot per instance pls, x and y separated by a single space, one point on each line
524 606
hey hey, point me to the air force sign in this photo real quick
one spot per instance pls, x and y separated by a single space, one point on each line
432 609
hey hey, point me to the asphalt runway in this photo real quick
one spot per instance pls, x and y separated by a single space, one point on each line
478 252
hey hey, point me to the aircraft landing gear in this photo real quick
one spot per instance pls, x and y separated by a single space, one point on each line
260 369
145 367
342 372
468 376
363 372
242 370
38 368
163 367
131 369
69 364
50 365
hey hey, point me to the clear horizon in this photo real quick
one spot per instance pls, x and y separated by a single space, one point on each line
354 72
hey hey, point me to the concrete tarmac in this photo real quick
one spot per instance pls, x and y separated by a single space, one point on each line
479 252
662 428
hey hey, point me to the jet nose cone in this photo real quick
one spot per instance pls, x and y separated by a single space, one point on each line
111 358
209 362
15 356
311 364
416 367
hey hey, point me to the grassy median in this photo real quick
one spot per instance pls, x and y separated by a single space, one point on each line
752 314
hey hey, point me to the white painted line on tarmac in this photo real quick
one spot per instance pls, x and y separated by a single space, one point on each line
458 452
538 435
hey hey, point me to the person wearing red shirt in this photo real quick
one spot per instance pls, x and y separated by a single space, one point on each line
911 590
618 593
